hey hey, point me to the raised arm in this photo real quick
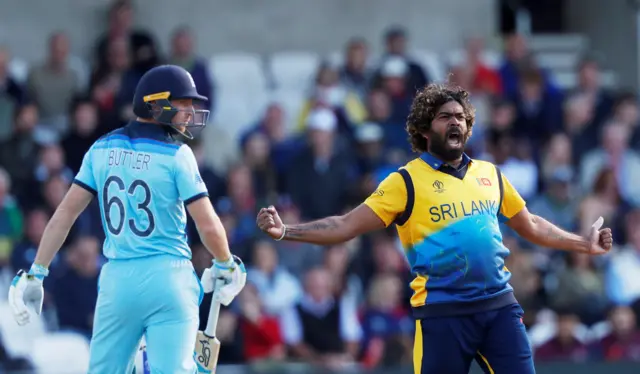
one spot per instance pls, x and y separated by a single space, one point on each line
539 231
378 211
326 231
544 233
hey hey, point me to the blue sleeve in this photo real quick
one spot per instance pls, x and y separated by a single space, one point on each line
85 177
191 187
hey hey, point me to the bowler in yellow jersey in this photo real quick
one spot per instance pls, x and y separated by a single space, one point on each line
447 209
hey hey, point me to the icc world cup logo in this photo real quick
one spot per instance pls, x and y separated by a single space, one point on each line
438 186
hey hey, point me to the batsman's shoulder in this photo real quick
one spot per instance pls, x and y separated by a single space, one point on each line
119 131
184 153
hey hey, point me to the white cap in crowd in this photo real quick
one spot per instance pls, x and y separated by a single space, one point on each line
395 67
322 119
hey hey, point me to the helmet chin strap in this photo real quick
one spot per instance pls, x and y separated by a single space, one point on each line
186 133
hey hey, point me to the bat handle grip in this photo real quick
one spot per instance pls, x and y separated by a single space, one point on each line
214 313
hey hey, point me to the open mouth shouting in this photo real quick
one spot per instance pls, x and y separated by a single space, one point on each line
454 137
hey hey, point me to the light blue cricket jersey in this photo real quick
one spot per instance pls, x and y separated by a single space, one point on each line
143 178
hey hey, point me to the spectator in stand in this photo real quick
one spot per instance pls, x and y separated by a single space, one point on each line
483 77
120 26
19 153
255 152
338 260
284 146
183 54
144 57
627 112
590 85
329 93
10 220
379 108
84 131
539 110
557 154
106 80
263 340
276 286
395 84
517 58
623 342
53 85
320 329
616 154
318 179
355 74
578 122
581 286
12 95
558 203
622 281
396 40
605 200
387 325
526 279
76 286
565 345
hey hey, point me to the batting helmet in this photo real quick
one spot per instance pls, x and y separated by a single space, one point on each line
158 87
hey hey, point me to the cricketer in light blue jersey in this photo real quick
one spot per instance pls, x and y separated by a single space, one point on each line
144 177
143 180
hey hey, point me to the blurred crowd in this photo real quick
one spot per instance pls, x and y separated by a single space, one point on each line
573 156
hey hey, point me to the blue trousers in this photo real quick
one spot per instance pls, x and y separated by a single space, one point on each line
157 297
496 339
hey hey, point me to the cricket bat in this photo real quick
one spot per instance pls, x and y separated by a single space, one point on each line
207 345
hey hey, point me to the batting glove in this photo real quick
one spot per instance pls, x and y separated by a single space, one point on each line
26 293
228 278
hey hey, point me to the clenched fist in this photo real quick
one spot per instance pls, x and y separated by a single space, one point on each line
269 221
601 240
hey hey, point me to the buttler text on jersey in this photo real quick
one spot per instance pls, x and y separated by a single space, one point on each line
129 159
463 209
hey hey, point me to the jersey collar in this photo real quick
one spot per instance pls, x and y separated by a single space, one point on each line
437 164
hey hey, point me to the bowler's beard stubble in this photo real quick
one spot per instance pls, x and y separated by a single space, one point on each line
438 147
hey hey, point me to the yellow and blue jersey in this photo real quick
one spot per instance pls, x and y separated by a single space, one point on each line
143 179
448 222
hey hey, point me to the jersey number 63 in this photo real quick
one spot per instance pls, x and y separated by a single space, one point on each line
108 203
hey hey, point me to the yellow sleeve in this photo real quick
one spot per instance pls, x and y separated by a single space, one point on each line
356 111
389 199
512 202
302 116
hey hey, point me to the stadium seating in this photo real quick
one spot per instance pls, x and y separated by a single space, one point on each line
293 70
60 353
19 340
238 71
19 69
491 58
432 63
291 102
